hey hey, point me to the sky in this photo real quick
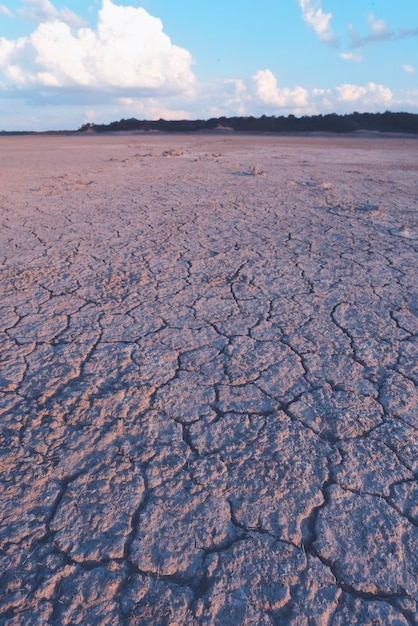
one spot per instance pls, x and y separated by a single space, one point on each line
66 63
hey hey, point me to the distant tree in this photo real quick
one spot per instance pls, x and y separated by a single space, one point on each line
331 122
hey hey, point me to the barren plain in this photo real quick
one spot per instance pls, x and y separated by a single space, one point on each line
209 368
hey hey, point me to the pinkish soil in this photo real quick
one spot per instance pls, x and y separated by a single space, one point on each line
209 406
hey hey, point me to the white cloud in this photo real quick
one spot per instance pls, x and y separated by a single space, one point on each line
128 50
349 56
408 68
316 19
5 11
43 11
346 98
268 92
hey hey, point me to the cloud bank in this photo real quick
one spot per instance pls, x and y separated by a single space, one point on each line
128 50
262 94
346 98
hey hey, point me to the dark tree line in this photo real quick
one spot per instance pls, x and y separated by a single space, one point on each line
387 122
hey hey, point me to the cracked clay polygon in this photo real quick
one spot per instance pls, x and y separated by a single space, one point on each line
208 380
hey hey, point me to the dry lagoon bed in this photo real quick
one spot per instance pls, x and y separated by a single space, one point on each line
209 380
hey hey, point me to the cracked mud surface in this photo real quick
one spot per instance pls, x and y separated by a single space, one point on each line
208 381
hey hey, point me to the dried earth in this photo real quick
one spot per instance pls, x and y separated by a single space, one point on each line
209 368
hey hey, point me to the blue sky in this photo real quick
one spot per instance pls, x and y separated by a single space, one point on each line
63 63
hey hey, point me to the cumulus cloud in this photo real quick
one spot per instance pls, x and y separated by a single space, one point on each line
408 68
43 11
374 94
348 97
379 32
5 11
350 56
127 51
316 19
268 92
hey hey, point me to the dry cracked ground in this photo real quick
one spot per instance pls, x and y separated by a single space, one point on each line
208 380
